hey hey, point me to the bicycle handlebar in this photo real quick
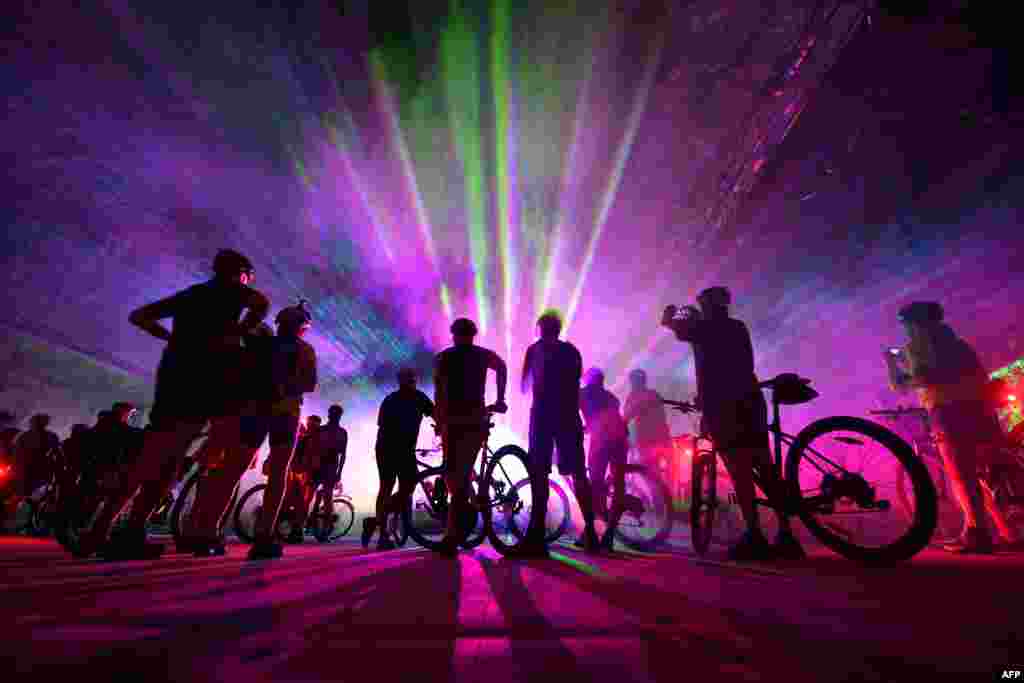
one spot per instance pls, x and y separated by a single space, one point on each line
899 411
682 406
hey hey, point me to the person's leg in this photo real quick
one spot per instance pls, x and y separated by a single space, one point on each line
542 446
282 446
464 447
161 445
597 462
226 461
572 461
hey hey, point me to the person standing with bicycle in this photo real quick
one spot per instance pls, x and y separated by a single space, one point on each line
398 430
646 412
552 369
734 414
329 446
953 386
609 446
460 382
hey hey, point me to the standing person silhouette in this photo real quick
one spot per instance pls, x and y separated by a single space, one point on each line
734 413
552 369
398 429
460 381
195 381
645 411
609 446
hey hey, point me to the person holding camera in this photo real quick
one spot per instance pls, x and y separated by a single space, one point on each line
734 413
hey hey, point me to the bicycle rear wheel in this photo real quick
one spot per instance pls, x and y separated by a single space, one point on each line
427 516
647 518
334 524
841 473
703 500
248 512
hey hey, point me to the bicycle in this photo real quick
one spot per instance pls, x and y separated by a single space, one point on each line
647 513
821 499
328 526
491 487
398 530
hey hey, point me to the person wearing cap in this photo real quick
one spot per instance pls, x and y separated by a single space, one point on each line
953 387
398 429
460 382
734 413
199 369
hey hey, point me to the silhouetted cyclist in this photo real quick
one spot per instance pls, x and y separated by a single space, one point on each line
734 413
329 449
398 430
609 446
198 373
645 411
284 369
8 483
460 380
552 368
953 386
34 451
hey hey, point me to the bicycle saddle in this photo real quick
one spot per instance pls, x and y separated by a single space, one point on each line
790 389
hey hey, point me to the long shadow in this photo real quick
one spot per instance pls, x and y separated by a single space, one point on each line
412 605
537 649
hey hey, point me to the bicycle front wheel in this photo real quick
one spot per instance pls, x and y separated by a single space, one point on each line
647 518
337 523
557 518
842 474
398 529
703 500
427 516
181 511
507 516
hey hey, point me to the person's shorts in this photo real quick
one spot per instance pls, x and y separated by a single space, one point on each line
194 389
567 439
611 452
968 423
461 444
257 424
738 424
397 464
326 474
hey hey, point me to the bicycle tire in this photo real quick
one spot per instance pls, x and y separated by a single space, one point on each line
504 544
926 509
25 527
437 499
241 528
41 523
346 517
190 489
557 492
703 500
657 488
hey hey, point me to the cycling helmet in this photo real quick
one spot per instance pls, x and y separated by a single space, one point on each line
550 323
715 296
406 375
464 327
295 316
230 263
335 412
41 420
922 312
638 376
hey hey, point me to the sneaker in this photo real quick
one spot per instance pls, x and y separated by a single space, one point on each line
369 526
130 547
264 549
296 537
752 547
608 541
591 543
787 547
385 543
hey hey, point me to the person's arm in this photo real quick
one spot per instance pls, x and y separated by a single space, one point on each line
343 452
426 405
440 392
307 379
501 369
258 306
526 379
147 318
